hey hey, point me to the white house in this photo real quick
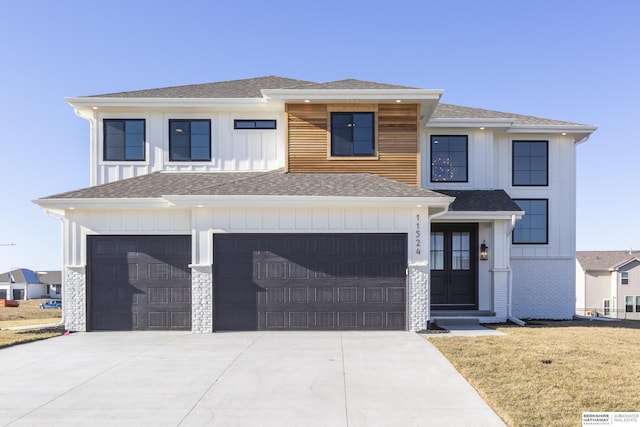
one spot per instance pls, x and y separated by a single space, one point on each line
608 284
273 203
21 284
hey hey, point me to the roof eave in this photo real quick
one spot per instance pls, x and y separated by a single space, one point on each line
470 123
102 203
305 201
481 215
106 103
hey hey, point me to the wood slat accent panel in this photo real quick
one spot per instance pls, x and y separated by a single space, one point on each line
397 142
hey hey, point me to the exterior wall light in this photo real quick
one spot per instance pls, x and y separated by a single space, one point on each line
484 255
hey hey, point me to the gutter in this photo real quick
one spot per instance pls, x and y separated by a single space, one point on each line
51 214
510 316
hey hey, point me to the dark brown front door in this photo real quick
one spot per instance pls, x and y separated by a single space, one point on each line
453 262
310 281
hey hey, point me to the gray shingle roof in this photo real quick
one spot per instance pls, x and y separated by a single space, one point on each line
251 88
52 277
272 183
605 260
352 84
481 201
449 111
244 88
19 275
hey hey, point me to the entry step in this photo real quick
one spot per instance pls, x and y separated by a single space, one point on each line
456 321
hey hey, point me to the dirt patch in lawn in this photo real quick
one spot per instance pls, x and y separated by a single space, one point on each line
548 373
28 313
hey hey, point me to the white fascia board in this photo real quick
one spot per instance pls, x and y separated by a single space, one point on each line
473 216
306 201
470 123
569 129
124 203
327 95
106 103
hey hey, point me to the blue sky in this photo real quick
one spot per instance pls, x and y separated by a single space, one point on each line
569 60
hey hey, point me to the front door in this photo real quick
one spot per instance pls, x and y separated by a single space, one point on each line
453 261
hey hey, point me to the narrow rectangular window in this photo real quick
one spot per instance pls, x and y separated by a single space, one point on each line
254 124
628 304
449 158
637 304
460 251
124 139
530 163
437 251
533 226
607 307
352 134
189 140
624 277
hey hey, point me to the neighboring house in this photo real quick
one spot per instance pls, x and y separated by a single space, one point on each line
53 282
608 284
21 284
273 203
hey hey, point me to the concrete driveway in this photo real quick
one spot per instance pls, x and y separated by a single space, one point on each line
236 379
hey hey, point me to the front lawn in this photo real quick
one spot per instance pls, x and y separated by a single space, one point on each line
548 373
28 313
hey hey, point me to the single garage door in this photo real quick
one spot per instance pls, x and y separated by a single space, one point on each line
139 282
309 281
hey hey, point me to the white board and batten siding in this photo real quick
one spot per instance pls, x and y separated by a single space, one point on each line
231 149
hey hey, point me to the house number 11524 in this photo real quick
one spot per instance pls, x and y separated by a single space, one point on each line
417 236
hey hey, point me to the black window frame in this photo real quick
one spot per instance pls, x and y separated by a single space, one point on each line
268 124
190 145
105 141
521 222
432 142
513 163
334 131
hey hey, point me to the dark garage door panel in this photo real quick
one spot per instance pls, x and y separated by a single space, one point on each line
312 281
139 282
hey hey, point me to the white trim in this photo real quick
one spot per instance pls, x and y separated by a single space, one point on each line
480 215
229 201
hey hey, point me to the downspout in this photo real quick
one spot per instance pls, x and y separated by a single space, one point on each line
62 291
510 281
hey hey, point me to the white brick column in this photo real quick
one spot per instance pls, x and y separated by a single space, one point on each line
201 299
74 301
418 292
500 283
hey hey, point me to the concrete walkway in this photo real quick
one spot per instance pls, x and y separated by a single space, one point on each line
236 379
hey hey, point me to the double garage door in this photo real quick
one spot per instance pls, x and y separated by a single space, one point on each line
261 282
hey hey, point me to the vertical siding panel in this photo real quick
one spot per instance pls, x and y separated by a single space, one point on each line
397 143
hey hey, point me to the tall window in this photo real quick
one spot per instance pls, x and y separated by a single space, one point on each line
189 140
628 304
352 134
124 139
531 163
449 158
624 277
533 227
607 306
437 251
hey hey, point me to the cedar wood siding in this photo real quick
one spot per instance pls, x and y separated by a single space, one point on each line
397 142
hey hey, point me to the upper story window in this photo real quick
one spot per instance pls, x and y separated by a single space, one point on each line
531 163
352 134
534 225
254 124
124 139
449 158
189 140
624 277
